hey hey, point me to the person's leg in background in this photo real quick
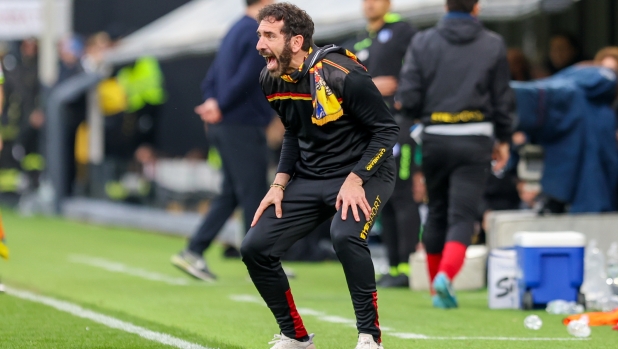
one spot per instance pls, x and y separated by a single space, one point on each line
436 171
389 238
249 169
408 234
400 232
350 241
467 186
468 182
303 210
222 207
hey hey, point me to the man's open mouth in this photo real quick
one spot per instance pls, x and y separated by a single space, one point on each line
271 61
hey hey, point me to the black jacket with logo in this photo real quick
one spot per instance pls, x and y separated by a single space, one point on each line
359 141
382 51
457 72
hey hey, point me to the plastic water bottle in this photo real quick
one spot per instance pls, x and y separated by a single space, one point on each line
595 285
533 322
579 328
607 303
562 307
612 267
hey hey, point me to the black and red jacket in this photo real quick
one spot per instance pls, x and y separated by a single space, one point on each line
359 141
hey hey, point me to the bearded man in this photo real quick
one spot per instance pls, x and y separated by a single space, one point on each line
336 162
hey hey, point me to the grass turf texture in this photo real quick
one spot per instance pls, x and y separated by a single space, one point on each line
204 313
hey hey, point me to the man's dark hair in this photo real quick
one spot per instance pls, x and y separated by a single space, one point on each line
461 5
252 2
295 21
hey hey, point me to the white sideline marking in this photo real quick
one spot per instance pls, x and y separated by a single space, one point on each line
124 269
108 321
389 331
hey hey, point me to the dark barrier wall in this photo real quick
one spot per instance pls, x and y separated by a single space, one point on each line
180 129
119 17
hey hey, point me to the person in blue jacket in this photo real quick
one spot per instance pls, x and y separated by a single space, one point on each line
236 114
570 114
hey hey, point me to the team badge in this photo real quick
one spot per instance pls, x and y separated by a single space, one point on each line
385 35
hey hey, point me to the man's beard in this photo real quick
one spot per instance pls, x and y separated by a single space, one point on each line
283 62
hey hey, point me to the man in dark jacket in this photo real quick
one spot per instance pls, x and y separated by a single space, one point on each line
381 47
336 162
456 79
237 116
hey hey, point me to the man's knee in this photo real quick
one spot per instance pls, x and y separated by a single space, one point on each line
252 248
343 236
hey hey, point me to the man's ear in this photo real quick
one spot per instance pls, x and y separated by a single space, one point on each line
297 43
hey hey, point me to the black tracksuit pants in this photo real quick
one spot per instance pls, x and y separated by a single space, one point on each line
456 169
306 204
401 223
244 155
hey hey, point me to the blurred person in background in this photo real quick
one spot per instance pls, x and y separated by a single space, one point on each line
503 187
570 115
519 65
2 79
564 51
9 127
71 50
28 86
456 78
608 58
381 47
96 47
22 120
236 114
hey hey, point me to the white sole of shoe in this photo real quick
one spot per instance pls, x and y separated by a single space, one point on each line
187 268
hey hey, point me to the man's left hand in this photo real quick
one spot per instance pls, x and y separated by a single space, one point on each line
352 195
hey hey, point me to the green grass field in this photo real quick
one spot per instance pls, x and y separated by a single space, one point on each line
126 275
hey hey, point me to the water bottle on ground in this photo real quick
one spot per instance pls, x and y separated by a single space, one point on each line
612 267
595 286
606 303
579 328
562 307
533 322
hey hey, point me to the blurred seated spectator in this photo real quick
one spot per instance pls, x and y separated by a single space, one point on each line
519 65
70 50
564 51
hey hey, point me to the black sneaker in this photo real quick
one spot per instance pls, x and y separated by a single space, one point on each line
385 280
193 265
400 280
231 253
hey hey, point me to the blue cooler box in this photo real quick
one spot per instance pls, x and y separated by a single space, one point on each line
550 267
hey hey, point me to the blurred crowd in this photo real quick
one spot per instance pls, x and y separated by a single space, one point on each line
132 96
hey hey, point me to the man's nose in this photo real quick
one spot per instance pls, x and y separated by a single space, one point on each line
260 45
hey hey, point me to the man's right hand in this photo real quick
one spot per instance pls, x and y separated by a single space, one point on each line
273 197
209 111
501 155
